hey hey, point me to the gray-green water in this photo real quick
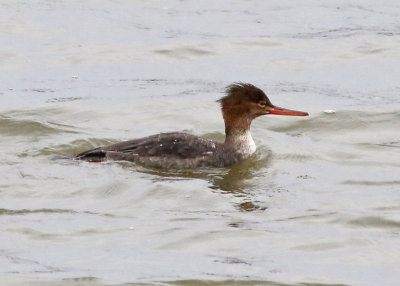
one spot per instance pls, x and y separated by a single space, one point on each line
319 203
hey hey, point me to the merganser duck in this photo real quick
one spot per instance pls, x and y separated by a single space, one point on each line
242 103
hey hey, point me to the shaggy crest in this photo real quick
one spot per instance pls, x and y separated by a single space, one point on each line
242 92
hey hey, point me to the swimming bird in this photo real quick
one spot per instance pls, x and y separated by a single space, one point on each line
241 104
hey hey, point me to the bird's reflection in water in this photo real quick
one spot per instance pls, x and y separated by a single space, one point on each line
236 180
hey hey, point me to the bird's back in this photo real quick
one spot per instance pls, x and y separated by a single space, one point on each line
165 150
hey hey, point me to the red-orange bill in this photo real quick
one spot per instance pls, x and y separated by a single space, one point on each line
282 111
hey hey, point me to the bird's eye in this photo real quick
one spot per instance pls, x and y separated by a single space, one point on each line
262 103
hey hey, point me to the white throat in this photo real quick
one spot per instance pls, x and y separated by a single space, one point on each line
241 141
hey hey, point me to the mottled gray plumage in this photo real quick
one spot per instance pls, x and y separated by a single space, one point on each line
165 150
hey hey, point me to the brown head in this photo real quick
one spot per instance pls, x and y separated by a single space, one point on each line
243 102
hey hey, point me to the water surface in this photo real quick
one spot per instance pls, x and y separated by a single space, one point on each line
318 204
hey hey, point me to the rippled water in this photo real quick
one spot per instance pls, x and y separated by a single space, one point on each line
319 202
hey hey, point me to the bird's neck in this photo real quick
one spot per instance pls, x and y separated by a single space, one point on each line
237 130
240 140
